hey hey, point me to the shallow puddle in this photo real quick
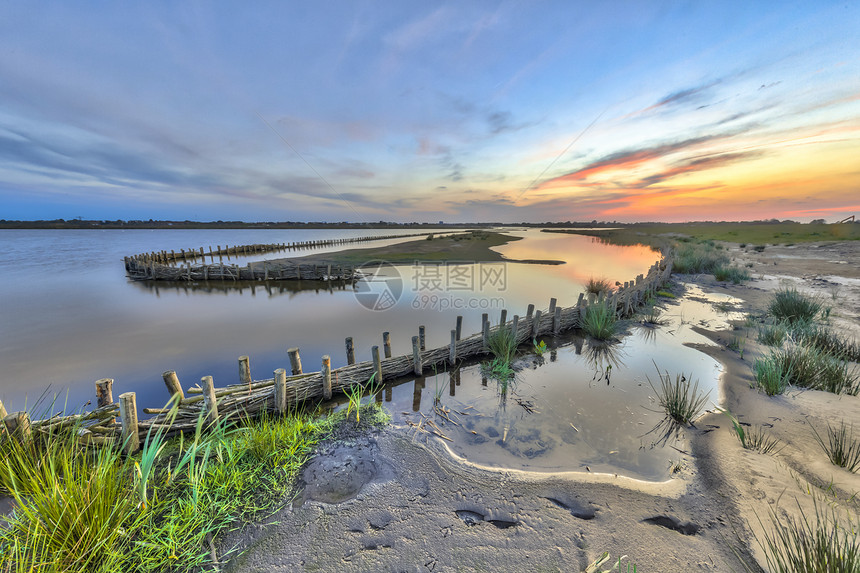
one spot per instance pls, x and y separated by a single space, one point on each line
582 406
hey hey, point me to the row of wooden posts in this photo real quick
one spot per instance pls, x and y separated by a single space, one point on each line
172 256
283 390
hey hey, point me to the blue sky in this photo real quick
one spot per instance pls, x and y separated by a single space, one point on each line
426 111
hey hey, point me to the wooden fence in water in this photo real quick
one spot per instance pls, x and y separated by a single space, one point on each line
161 265
284 390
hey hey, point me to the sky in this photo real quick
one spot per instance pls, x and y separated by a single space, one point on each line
430 111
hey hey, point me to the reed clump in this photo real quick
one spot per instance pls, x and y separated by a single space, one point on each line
597 285
698 257
807 367
599 321
731 273
841 447
792 306
680 399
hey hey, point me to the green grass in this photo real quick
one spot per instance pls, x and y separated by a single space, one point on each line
599 321
841 447
819 543
731 273
665 294
694 257
773 334
770 376
792 306
503 344
679 399
100 511
820 337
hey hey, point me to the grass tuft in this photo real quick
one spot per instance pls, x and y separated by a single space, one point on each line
792 306
695 257
770 376
597 286
755 439
773 334
841 447
679 399
818 545
731 273
599 321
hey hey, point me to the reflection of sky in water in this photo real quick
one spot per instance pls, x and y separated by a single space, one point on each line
571 410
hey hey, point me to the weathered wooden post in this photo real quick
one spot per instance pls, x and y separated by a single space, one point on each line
295 360
245 371
350 351
459 328
18 424
280 391
485 336
377 364
536 324
556 320
579 300
128 416
386 343
503 318
326 372
417 366
104 392
515 327
421 334
485 319
210 402
552 303
452 349
530 311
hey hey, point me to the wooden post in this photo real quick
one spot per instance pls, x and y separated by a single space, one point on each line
104 392
536 324
579 301
417 366
552 303
421 333
377 364
515 327
210 403
556 320
295 360
128 415
245 371
350 351
452 350
18 423
459 326
386 343
326 372
485 319
485 336
530 311
280 391
503 318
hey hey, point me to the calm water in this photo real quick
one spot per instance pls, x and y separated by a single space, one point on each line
70 317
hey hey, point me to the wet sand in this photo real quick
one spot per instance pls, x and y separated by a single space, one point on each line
395 500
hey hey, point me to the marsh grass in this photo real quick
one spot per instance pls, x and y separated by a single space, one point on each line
651 314
755 439
841 447
820 543
820 337
792 306
773 334
98 510
770 376
503 344
731 273
698 257
597 285
680 399
599 321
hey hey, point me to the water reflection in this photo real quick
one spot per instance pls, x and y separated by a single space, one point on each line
271 288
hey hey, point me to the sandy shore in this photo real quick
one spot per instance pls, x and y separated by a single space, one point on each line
396 501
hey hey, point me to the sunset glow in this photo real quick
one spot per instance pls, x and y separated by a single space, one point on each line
490 111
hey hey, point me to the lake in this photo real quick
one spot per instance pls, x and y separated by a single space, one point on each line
70 316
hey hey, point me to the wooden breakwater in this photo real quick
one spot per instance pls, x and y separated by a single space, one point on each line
284 390
161 265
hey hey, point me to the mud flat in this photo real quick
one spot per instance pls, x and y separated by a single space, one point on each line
396 500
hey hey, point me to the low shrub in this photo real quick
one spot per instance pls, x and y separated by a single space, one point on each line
792 306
